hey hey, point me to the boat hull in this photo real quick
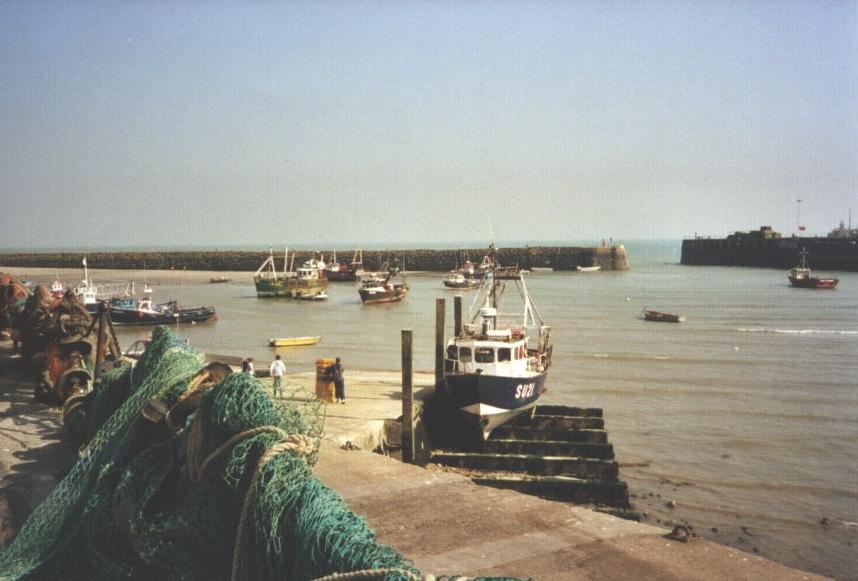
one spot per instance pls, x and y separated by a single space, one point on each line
462 285
488 401
293 341
659 317
372 296
813 282
136 317
287 288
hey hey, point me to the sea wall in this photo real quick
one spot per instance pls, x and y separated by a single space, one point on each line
831 254
557 257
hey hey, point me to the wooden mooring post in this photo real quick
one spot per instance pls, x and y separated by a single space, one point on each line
440 315
457 315
407 397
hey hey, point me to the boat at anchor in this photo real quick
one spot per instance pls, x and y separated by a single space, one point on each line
381 288
143 311
497 366
802 277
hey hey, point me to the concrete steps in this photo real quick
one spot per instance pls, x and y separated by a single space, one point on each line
529 464
562 488
554 452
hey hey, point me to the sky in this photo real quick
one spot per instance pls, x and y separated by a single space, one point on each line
223 124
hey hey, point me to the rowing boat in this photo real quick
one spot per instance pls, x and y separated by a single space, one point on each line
292 341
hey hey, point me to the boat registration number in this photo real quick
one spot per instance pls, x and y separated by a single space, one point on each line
524 390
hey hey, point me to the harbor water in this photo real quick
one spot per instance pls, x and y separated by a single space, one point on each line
745 415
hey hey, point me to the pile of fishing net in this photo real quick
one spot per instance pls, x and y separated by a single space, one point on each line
224 491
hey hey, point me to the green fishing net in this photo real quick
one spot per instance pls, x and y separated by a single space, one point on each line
137 505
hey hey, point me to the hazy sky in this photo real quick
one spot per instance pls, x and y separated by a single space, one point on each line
314 123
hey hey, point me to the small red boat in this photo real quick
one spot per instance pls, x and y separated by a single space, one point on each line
659 317
802 277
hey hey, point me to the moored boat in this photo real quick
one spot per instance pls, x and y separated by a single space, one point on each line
219 279
293 341
802 277
497 366
456 279
593 268
142 311
308 279
341 272
382 289
660 317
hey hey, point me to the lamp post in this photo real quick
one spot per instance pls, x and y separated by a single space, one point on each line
798 227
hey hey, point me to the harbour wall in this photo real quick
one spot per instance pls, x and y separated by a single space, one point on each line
557 257
833 254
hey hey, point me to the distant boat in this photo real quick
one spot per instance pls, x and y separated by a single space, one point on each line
660 317
538 269
310 277
292 341
216 279
381 289
143 311
466 276
311 295
336 272
802 277
588 268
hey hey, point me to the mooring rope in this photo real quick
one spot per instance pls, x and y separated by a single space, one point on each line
373 574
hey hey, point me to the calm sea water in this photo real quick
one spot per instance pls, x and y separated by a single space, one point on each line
746 415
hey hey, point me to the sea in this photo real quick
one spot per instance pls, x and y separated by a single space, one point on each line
745 415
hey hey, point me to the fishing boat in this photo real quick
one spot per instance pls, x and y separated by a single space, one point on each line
90 295
271 283
497 366
309 279
341 272
219 279
456 279
660 317
143 311
466 276
382 288
292 341
802 277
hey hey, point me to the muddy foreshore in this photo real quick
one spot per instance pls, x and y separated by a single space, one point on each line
556 257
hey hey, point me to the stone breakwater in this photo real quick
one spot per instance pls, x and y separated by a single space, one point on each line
557 257
832 254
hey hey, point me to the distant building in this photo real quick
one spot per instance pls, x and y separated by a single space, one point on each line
843 232
764 233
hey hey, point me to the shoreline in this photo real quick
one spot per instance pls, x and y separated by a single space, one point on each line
570 539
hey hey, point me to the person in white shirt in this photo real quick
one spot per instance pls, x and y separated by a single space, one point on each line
278 372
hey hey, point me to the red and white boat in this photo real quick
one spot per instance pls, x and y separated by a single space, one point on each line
802 277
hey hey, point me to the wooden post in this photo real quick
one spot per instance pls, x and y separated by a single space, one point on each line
407 398
440 314
457 315
101 321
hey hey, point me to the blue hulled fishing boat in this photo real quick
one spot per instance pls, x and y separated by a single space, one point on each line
497 366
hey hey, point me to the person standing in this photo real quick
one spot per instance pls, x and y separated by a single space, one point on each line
277 371
247 366
339 382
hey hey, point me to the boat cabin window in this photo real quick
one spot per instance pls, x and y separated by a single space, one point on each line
504 354
465 354
484 355
452 352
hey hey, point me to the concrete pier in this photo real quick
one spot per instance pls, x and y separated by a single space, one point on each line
442 521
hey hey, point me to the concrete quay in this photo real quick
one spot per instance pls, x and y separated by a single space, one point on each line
446 524
442 521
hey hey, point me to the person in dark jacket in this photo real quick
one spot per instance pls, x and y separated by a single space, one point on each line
336 373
